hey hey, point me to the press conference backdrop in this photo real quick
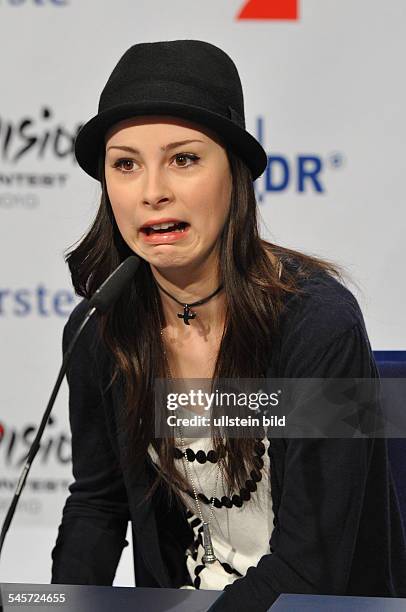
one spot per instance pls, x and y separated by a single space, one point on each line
324 92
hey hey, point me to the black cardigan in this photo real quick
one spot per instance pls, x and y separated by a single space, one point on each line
337 527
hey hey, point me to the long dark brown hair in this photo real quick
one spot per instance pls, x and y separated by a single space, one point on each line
254 295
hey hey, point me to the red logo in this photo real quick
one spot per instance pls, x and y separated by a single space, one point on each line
270 9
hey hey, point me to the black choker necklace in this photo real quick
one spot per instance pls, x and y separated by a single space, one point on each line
187 313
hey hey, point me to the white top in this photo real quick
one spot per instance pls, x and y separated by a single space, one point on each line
240 536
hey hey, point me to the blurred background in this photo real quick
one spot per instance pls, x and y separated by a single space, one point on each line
323 93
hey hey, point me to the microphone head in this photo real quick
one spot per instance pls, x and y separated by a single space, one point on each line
109 291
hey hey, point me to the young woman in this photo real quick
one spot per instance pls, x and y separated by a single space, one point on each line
254 517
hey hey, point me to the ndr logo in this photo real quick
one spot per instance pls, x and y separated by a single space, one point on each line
303 172
34 2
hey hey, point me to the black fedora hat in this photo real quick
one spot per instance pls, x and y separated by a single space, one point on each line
191 79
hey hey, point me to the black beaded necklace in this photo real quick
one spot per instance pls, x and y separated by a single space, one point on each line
245 492
187 312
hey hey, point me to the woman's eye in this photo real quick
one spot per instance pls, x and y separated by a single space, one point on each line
183 160
184 157
124 165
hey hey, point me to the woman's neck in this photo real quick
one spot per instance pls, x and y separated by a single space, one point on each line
188 289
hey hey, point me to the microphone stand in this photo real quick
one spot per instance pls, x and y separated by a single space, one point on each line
102 300
36 444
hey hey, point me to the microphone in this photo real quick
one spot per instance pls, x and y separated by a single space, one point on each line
101 301
109 291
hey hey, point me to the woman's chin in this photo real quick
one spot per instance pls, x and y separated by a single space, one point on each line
167 263
159 256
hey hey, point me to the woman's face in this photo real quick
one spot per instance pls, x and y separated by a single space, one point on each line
166 170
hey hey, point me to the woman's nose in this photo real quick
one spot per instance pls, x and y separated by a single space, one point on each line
156 190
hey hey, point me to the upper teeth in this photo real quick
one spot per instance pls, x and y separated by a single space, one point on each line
162 226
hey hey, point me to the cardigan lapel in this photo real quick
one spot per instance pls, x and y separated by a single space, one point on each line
141 509
144 523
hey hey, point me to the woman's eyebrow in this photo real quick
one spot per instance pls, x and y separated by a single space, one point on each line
171 145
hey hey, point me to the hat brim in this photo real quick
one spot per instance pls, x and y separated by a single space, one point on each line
90 140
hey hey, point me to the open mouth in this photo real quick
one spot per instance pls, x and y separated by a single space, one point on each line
164 228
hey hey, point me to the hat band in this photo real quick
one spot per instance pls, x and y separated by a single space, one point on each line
167 92
234 116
